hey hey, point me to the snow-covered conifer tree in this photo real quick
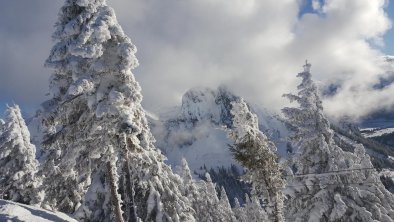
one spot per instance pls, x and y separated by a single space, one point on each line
203 196
225 208
205 201
253 209
190 189
311 129
18 166
240 212
258 154
328 184
211 201
100 161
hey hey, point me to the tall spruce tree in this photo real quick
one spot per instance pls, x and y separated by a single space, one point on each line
100 161
224 207
18 166
215 208
239 212
192 190
253 209
257 154
328 184
203 196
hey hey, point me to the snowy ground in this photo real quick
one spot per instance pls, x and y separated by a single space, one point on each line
375 132
16 212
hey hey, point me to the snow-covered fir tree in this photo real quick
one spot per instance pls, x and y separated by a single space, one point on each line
328 184
208 206
253 209
190 189
100 161
239 212
224 207
257 154
203 196
216 209
18 164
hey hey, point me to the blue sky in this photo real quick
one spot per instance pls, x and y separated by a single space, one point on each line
306 7
254 47
389 36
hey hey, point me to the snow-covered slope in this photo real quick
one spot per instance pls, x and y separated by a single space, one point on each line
380 152
11 211
376 132
378 144
387 177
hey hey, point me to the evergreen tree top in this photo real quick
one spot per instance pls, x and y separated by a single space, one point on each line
17 159
15 125
308 119
90 48
307 66
320 192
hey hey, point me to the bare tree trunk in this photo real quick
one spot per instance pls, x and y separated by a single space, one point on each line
273 198
278 206
131 211
130 193
114 194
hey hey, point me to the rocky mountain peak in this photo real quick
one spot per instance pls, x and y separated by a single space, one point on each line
204 104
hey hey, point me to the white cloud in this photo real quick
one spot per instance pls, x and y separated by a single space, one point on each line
316 5
255 47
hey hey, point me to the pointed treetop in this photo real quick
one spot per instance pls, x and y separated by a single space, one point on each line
307 66
208 177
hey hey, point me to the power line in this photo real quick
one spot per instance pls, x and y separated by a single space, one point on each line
322 186
330 172
330 184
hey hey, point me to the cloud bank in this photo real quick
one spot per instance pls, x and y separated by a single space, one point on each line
254 47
